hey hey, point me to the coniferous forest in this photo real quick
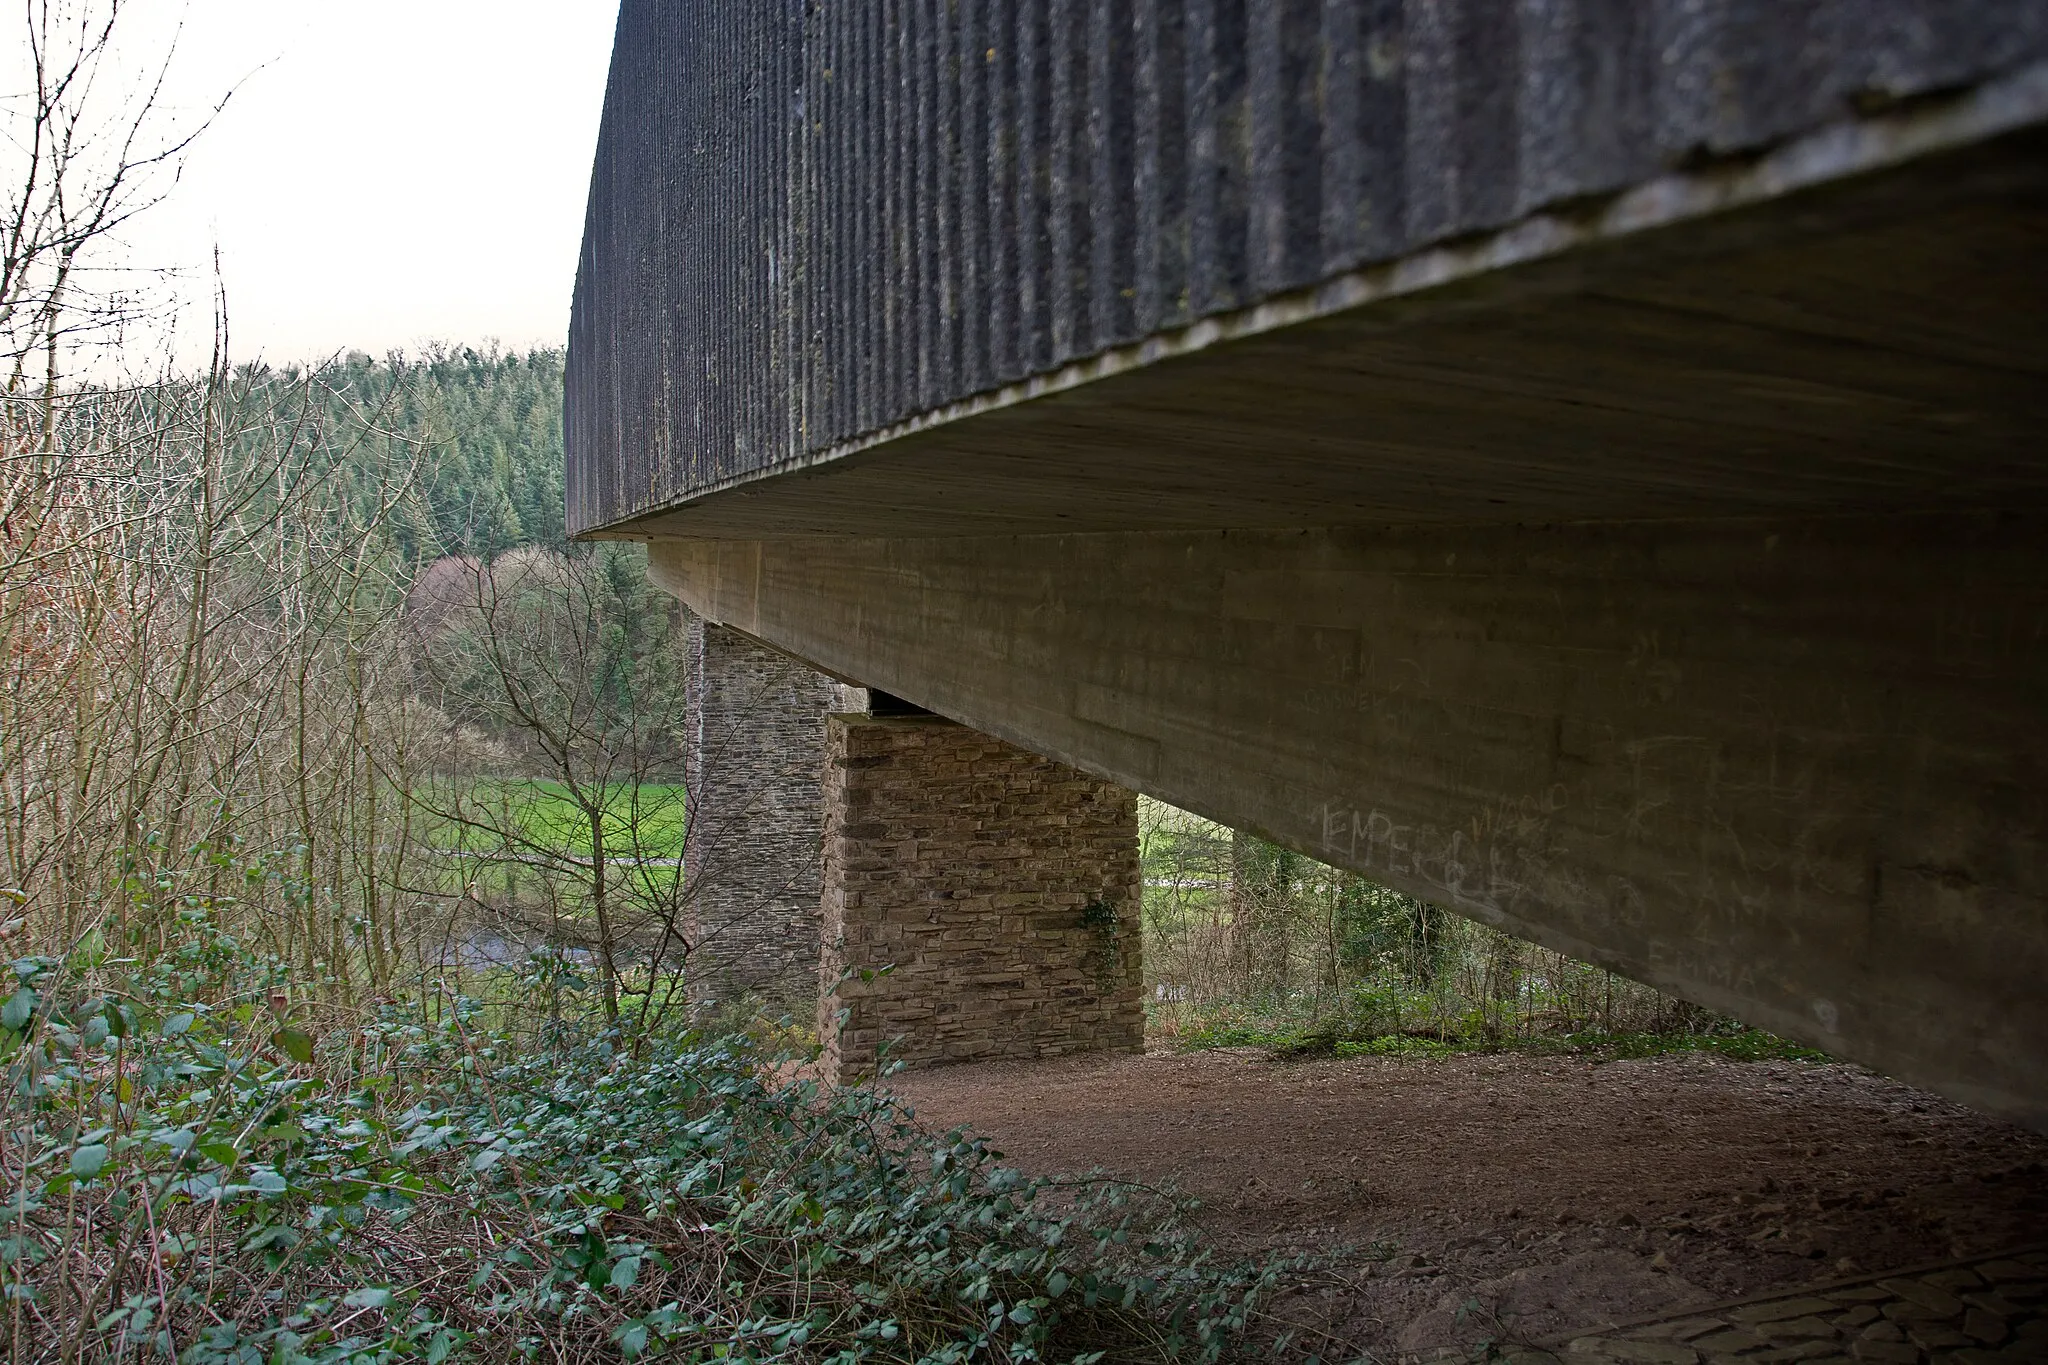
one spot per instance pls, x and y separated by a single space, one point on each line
488 428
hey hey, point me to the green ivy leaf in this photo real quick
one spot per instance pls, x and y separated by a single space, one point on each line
19 1008
87 1161
294 1044
92 950
272 1236
625 1272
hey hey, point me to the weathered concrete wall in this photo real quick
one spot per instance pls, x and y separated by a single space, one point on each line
809 224
756 751
969 866
1796 770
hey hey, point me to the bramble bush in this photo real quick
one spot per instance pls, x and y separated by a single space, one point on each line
203 1167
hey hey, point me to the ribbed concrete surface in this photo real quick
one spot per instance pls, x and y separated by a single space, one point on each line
809 222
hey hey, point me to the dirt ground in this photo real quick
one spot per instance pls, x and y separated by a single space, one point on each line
1521 1198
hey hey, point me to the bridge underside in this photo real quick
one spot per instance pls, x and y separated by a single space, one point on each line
1678 600
1791 769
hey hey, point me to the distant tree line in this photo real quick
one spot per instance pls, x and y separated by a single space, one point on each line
487 429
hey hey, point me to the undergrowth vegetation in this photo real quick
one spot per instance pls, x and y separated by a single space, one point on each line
205 1166
1348 1038
1251 945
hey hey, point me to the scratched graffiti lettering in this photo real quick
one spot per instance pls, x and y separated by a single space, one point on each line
1473 873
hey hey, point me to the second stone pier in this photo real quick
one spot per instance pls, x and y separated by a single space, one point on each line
756 746
979 901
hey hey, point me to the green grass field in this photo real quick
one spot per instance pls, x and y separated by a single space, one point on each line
646 821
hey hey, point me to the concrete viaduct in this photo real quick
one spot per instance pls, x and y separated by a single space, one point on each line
1580 462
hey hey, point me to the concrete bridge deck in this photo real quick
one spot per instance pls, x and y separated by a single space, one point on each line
1576 462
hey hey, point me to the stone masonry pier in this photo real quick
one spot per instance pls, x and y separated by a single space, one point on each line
972 899
755 771
999 889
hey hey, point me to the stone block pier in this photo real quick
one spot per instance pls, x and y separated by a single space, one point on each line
979 901
943 895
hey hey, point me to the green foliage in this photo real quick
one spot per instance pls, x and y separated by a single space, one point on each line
1105 959
452 452
205 1183
1378 1034
546 812
489 424
1729 1040
570 650
1358 1037
1395 1045
567 661
1250 945
1382 931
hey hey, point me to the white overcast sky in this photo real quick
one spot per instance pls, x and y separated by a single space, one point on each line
390 173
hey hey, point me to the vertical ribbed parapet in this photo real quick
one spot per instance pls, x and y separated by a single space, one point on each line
756 750
810 224
999 889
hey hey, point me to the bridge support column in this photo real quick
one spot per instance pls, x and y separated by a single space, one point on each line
1000 889
755 757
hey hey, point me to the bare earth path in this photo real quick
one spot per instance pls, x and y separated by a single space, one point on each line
1553 1193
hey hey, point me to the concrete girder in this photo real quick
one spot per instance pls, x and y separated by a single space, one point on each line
1793 769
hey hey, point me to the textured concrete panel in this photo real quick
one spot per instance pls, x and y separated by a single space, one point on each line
968 867
811 225
1875 343
1794 770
